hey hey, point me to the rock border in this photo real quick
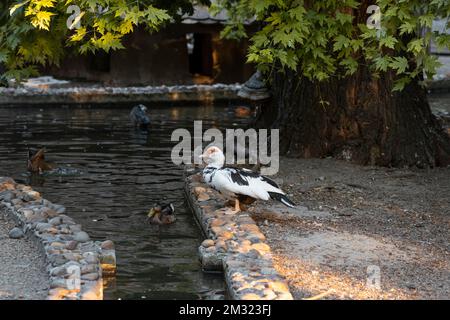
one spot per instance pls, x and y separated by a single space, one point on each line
439 86
235 245
184 94
76 265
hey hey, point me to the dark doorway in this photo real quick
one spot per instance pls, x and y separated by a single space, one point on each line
200 53
100 61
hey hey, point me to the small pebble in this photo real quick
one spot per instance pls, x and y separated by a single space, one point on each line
207 243
55 221
107 245
16 233
90 276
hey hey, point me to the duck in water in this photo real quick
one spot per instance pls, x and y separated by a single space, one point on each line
162 214
139 117
36 162
243 112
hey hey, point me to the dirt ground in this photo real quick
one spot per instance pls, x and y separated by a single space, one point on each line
361 232
22 268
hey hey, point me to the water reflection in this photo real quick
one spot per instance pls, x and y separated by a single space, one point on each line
440 102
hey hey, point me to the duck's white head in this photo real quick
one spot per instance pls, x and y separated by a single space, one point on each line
213 157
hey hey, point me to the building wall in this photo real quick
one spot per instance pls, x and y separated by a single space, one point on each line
162 58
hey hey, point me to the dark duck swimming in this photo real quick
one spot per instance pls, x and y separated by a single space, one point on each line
139 117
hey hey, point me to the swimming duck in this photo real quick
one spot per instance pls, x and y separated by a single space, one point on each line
238 183
4 82
243 112
162 214
36 162
139 117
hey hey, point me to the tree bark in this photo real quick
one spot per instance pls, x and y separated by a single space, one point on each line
358 119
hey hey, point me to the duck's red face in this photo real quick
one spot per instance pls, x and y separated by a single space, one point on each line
212 150
213 155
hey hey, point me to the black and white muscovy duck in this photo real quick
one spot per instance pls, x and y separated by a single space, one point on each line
139 117
239 184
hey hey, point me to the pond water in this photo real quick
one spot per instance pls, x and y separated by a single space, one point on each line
124 173
440 102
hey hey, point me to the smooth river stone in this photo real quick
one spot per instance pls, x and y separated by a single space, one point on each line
16 233
207 243
56 221
81 237
107 245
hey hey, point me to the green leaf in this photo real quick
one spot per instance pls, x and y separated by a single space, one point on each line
344 18
350 64
407 28
79 34
388 42
430 65
426 20
261 5
415 45
382 63
341 42
400 64
3 55
42 20
400 84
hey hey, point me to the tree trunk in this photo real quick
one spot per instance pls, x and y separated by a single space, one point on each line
358 119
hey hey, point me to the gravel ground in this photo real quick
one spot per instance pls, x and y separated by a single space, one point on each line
22 268
352 220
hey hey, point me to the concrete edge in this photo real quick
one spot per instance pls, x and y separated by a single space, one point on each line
102 95
76 265
234 245
439 86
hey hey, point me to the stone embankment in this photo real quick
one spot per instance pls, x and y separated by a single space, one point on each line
100 94
235 245
76 264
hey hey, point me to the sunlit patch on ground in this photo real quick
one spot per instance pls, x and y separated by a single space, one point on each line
350 218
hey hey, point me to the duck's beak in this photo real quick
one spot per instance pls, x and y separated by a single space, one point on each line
151 213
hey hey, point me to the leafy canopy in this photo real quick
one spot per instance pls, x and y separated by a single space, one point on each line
320 39
328 38
37 32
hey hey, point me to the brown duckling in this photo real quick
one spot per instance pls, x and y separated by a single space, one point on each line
36 162
162 214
